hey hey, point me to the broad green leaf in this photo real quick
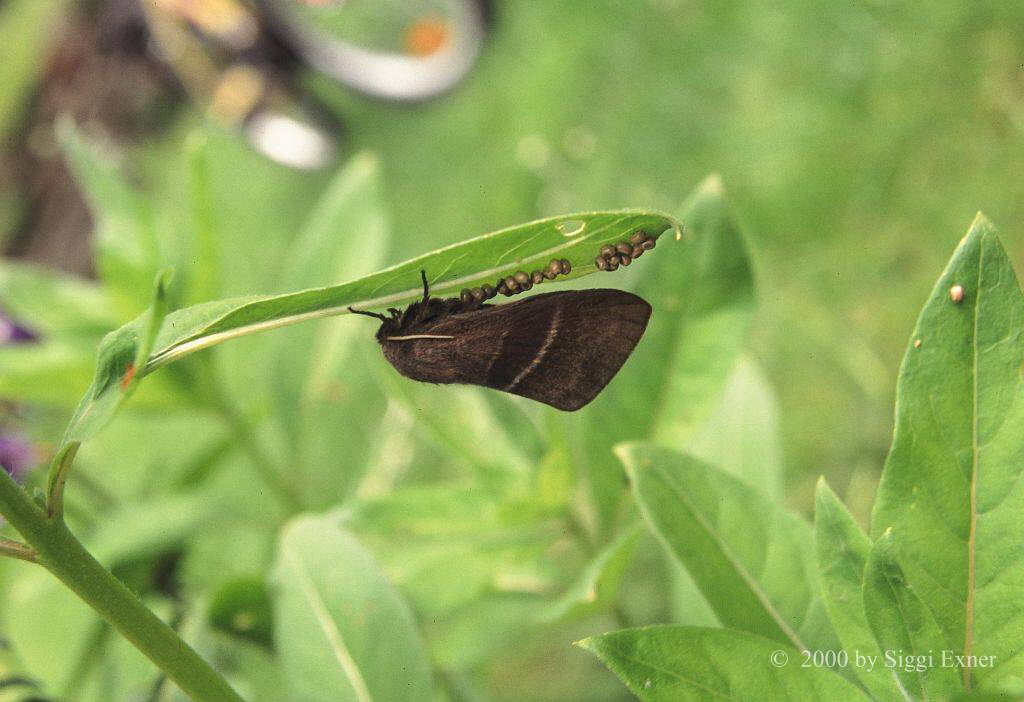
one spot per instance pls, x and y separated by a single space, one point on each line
598 585
701 290
742 435
951 491
341 630
146 528
124 239
842 550
49 627
707 309
752 560
475 633
905 630
679 663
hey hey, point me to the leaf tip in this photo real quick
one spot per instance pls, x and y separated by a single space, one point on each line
587 644
712 185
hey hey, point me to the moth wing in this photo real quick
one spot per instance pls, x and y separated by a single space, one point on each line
560 348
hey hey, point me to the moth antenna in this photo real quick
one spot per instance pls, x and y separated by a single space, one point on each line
426 286
412 337
375 315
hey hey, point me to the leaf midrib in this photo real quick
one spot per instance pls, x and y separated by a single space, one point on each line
751 583
334 638
969 604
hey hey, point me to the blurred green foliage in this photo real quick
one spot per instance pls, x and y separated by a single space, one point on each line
853 139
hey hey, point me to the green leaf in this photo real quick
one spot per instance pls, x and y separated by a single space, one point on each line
465 265
752 560
124 239
678 663
150 325
47 373
342 631
242 608
741 436
51 629
706 317
49 303
701 290
905 630
118 367
202 275
598 585
842 550
145 528
951 491
344 238
468 264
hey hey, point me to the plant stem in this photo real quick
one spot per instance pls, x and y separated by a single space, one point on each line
64 556
16 549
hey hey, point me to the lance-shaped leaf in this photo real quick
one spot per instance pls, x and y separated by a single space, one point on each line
752 560
682 663
952 492
527 247
482 260
342 632
701 290
842 550
913 646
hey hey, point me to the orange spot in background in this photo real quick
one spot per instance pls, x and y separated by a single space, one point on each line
426 36
127 377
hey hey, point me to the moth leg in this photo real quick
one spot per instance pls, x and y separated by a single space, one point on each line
426 286
376 315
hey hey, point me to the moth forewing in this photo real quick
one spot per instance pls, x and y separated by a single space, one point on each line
558 348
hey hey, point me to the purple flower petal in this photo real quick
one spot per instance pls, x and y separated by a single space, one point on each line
16 455
11 332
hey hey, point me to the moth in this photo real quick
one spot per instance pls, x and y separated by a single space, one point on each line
559 348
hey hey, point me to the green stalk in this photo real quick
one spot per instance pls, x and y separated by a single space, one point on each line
64 556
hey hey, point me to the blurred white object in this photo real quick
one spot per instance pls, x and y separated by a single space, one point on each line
432 64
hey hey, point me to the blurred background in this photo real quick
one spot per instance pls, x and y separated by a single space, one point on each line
855 142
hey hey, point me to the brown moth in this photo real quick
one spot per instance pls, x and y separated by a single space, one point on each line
559 348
